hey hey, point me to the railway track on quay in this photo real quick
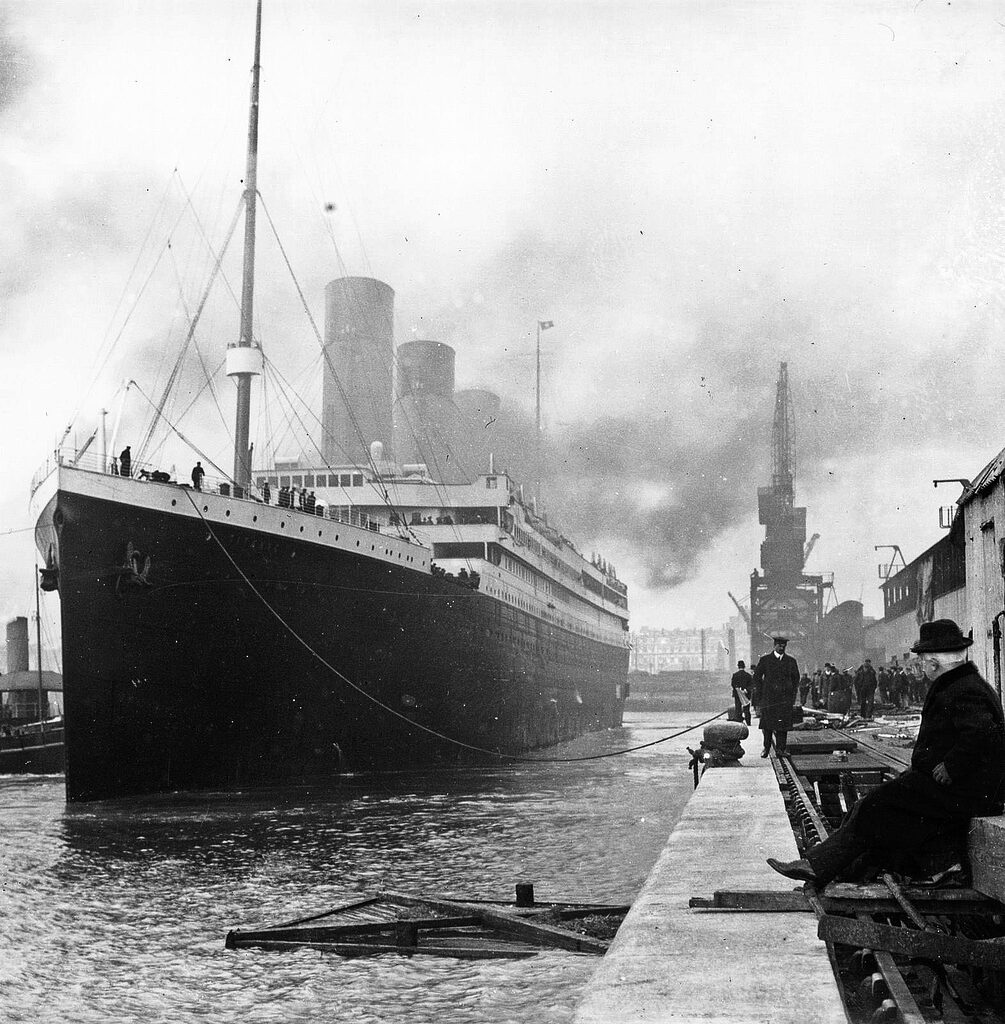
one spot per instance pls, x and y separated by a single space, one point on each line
900 951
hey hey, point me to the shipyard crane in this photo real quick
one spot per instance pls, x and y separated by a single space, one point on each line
744 614
784 599
783 438
810 544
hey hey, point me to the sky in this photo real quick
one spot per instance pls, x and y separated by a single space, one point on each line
692 193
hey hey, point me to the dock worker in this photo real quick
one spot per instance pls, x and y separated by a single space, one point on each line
957 772
865 688
740 684
805 685
776 680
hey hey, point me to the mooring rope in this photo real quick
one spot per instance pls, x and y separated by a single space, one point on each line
404 718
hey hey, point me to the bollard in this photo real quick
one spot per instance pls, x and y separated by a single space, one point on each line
525 894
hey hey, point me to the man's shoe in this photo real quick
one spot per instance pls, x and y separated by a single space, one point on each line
800 870
765 752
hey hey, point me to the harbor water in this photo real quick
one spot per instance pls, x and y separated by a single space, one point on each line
118 911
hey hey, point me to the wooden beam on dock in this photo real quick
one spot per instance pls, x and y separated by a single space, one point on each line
953 949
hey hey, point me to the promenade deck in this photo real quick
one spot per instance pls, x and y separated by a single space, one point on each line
669 962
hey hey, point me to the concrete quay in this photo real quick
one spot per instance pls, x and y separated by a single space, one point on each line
671 963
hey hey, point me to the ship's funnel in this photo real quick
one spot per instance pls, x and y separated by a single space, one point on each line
425 420
17 645
359 352
425 368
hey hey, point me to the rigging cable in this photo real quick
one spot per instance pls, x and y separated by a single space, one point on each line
159 407
197 450
125 291
198 351
397 714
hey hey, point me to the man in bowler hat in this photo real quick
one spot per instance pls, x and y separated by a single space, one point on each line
957 772
776 680
740 684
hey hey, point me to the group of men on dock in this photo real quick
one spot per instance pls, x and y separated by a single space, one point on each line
957 767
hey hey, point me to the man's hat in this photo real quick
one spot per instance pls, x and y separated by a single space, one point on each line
779 639
941 635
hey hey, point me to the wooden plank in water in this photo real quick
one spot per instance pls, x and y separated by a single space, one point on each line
458 951
330 933
340 909
516 924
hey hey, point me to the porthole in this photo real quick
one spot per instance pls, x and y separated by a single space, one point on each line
319 533
205 508
254 519
301 529
336 536
357 543
282 526
227 513
174 501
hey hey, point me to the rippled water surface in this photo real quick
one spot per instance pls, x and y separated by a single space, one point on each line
118 911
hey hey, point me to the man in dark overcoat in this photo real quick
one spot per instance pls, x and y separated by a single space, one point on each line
865 688
957 772
740 684
776 681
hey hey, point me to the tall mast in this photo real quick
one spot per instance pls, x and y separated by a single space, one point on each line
244 360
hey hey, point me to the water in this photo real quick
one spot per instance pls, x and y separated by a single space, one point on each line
118 911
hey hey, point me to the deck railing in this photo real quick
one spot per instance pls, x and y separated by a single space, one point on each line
94 462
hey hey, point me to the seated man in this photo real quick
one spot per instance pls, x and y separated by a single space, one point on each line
957 772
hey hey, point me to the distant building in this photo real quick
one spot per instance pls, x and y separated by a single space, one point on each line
980 524
932 586
681 650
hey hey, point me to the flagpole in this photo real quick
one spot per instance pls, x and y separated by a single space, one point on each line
542 325
537 453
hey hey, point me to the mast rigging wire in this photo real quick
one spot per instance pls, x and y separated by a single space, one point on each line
159 407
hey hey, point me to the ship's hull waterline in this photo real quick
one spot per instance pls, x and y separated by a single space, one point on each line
183 674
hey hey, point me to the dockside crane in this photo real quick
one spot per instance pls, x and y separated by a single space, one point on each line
744 614
810 545
784 600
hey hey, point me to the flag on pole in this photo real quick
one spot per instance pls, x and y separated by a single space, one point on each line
545 324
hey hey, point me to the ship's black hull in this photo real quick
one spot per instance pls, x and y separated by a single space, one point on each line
186 674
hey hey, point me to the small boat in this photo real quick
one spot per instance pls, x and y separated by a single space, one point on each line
35 748
394 922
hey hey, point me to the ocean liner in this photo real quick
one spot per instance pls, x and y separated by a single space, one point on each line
369 609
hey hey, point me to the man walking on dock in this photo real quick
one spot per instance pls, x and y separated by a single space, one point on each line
741 692
776 680
957 772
